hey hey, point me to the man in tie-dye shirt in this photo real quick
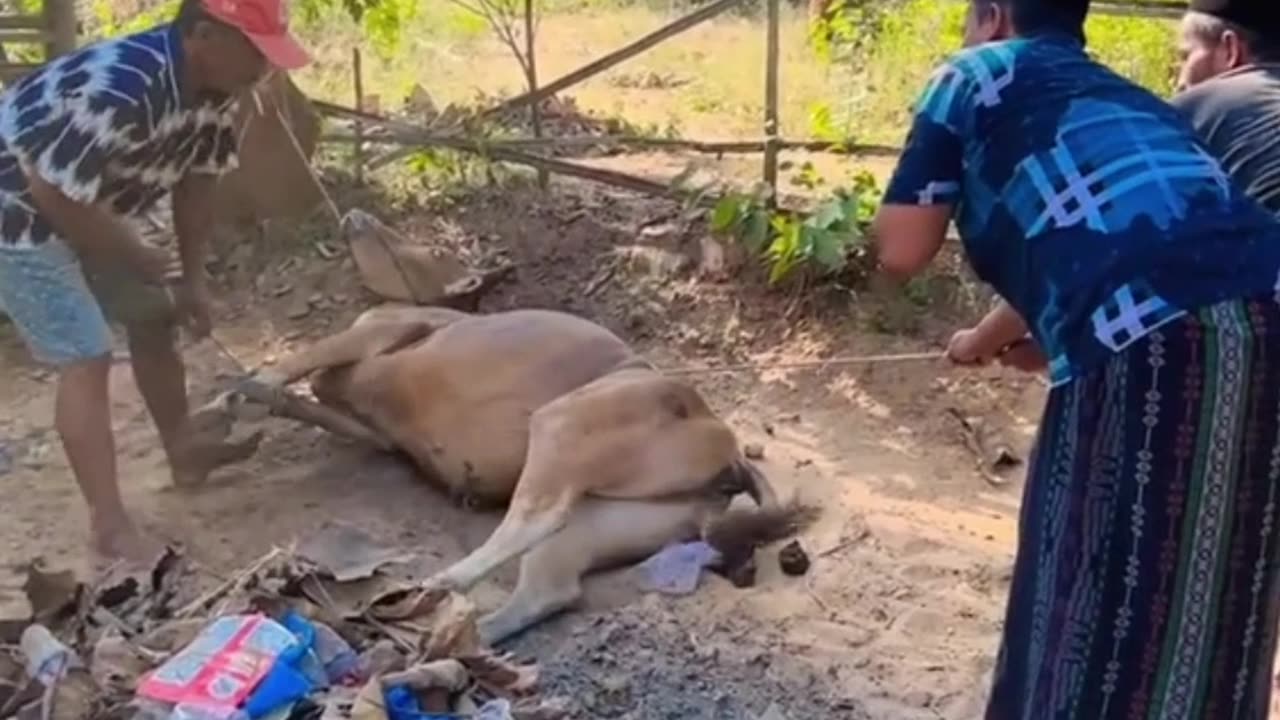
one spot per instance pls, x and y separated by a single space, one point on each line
87 142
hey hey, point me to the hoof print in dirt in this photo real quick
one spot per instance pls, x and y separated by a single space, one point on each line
793 560
753 451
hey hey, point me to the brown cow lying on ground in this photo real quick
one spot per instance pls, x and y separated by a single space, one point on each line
601 459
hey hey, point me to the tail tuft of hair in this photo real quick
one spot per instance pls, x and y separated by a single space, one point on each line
741 530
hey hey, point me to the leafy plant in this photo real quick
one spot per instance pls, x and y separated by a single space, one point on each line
827 238
383 22
847 28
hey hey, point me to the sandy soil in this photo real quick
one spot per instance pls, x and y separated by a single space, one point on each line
898 617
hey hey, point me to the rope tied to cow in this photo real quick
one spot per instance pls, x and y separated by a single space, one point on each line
835 361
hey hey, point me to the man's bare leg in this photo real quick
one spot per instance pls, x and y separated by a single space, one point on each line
162 379
82 415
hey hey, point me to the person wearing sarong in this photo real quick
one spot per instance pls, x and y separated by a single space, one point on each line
1145 283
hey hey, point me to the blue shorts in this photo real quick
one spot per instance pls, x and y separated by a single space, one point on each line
58 308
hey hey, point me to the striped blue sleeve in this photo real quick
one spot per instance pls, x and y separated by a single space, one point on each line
930 169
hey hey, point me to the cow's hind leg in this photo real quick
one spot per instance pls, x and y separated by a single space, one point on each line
530 519
550 494
627 440
550 581
599 534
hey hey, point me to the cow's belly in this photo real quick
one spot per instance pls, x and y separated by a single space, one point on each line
460 402
478 453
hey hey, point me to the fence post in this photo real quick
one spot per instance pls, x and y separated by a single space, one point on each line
771 104
60 23
531 69
357 79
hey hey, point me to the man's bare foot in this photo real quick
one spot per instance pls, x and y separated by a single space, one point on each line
120 542
192 466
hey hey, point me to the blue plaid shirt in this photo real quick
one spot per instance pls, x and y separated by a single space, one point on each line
1084 200
107 125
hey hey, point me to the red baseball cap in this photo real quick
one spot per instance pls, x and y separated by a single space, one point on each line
266 24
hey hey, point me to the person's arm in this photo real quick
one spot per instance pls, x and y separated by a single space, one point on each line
193 217
193 214
911 225
194 198
93 231
1001 327
64 149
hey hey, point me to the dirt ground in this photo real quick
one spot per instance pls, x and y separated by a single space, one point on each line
896 620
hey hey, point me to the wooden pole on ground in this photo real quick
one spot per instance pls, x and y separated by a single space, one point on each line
771 103
617 56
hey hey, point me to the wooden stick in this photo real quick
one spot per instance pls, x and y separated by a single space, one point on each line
710 147
1139 9
358 80
771 104
596 67
408 134
531 72
284 403
22 22
203 602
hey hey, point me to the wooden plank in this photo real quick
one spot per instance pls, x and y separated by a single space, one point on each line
22 22
614 58
10 72
17 36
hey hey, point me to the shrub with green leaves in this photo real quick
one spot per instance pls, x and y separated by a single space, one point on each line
825 240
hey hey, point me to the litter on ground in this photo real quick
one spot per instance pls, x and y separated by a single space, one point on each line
268 644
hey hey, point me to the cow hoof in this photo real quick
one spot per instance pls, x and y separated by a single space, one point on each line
202 455
264 388
491 630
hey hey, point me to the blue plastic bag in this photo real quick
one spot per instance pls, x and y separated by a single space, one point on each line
402 704
676 569
295 674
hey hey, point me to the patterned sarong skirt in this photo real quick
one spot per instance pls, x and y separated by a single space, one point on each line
1145 584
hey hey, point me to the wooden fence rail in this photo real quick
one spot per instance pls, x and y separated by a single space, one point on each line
54 29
